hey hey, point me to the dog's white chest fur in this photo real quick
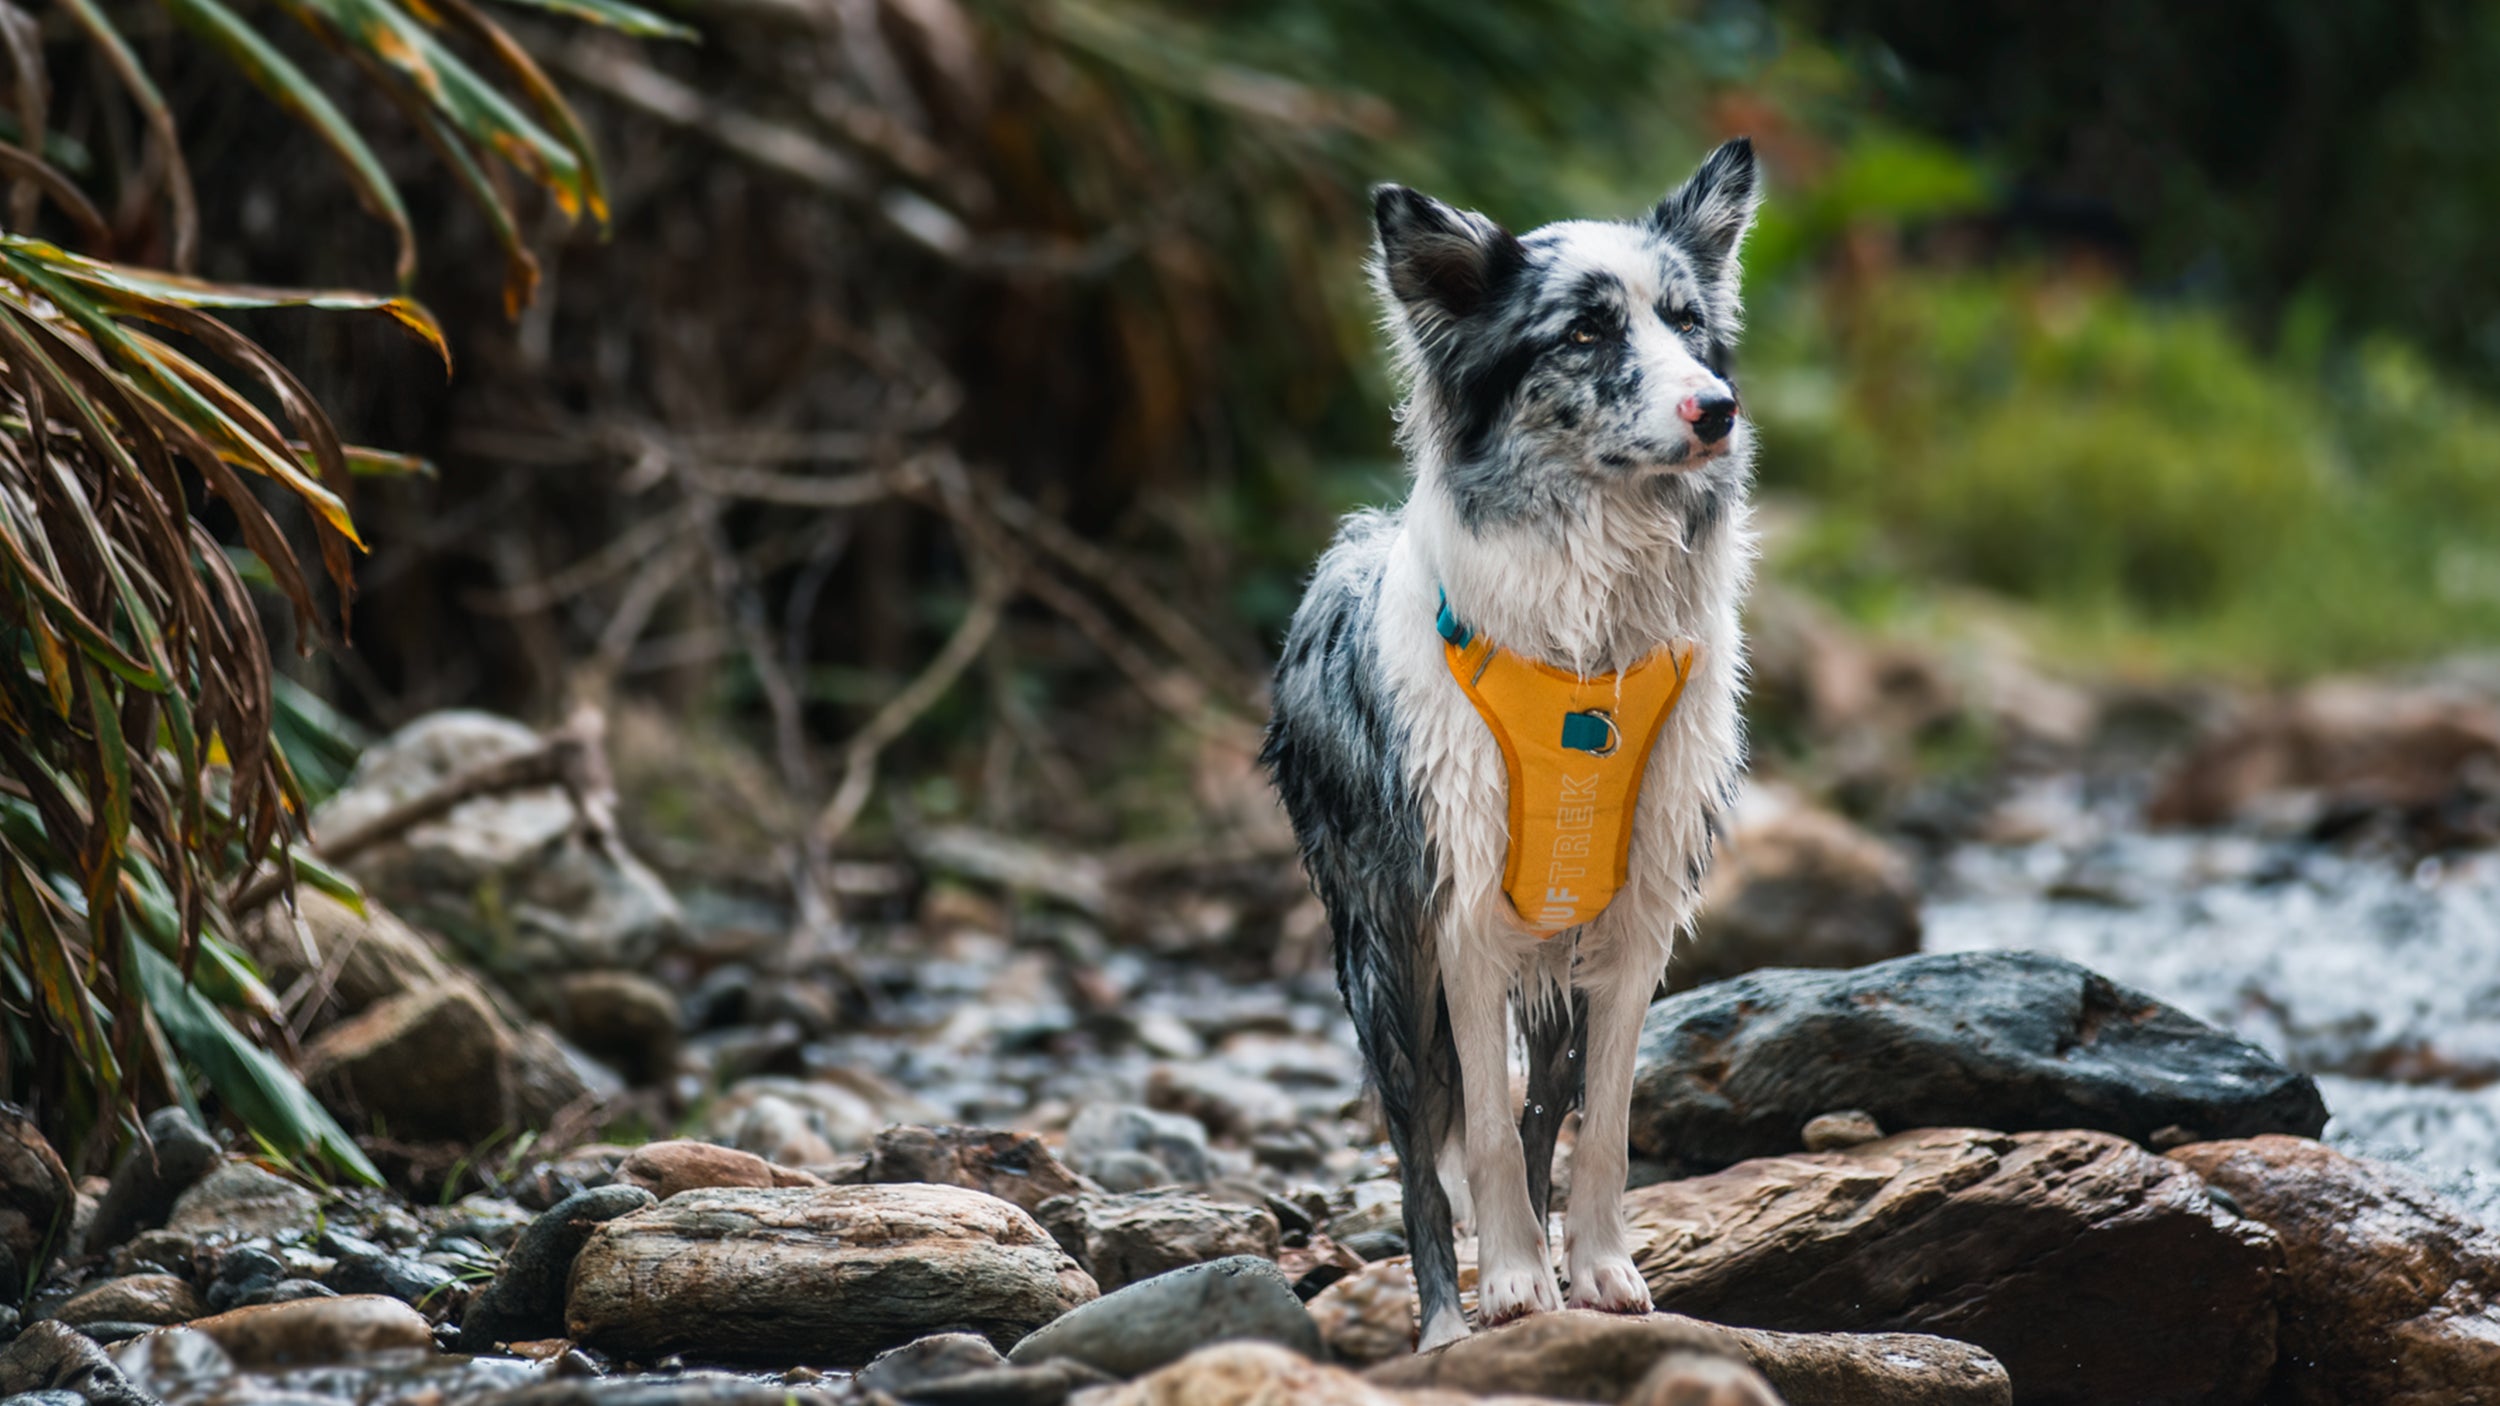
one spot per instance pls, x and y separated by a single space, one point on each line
1593 603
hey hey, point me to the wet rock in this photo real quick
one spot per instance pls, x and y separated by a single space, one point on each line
140 1298
175 1154
2389 1295
1012 1166
413 1282
1794 886
173 1362
623 1019
239 1201
286 1291
1043 1384
315 1330
526 1297
2095 1271
830 1274
440 1063
512 877
1829 1132
49 1357
1121 1239
1993 1039
680 1164
1159 1320
36 1199
1368 1316
683 1389
1126 1148
245 1270
937 1357
2343 745
1581 1355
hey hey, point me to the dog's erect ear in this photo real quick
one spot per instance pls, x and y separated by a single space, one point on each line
1440 262
1708 215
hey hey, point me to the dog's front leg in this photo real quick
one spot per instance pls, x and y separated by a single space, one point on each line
1513 1275
1596 1250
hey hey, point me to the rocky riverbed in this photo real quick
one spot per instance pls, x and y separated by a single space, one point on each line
2074 1108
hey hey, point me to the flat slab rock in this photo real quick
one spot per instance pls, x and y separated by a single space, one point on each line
2390 1295
2095 1271
1579 1355
822 1275
2021 1041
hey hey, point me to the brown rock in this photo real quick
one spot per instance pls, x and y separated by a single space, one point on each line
680 1164
1799 887
1259 1374
1828 1132
1121 1239
368 957
36 1195
2096 1271
441 1063
2341 745
623 1019
241 1201
2390 1295
830 1275
139 1298
1368 1316
1011 1166
1581 1355
308 1331
1694 1379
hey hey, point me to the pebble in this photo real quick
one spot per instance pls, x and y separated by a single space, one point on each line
1127 1148
1827 1132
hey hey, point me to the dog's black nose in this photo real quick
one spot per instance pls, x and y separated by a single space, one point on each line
1713 417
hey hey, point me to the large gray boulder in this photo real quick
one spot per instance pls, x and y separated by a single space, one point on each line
2010 1040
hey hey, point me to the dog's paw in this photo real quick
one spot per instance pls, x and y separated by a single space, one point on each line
1502 1295
1610 1285
1446 1327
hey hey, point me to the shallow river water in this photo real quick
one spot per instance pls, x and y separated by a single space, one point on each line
2381 979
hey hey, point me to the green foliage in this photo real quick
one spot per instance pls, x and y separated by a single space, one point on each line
142 766
2139 475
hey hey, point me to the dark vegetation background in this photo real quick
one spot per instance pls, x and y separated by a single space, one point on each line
2165 336
1022 350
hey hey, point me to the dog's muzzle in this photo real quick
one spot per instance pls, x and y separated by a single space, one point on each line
1711 415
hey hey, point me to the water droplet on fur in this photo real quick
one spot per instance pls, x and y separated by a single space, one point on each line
1571 1054
1540 1108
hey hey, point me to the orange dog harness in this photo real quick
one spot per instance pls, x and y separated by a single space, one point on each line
1575 749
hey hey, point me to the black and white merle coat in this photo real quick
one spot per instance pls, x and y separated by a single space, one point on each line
1580 494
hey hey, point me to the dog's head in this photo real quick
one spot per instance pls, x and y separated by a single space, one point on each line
1579 356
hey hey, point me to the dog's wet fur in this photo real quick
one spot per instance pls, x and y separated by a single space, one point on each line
1581 476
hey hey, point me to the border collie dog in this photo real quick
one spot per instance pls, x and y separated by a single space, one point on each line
1506 714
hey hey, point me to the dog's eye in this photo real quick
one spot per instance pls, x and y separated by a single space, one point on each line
1582 334
1686 320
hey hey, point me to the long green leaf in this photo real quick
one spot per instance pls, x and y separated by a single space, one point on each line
292 89
265 1094
624 18
453 88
